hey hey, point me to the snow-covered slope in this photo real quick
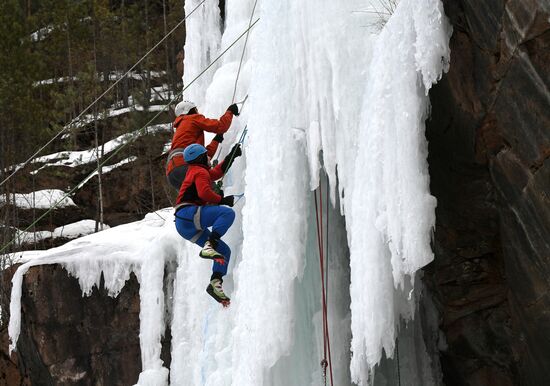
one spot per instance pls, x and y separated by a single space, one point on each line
324 94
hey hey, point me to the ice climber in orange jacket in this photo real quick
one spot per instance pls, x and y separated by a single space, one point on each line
189 128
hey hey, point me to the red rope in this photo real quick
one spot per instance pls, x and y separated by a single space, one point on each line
326 336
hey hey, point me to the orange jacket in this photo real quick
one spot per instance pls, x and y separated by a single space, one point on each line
190 129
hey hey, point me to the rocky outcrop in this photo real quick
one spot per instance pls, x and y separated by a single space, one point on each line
70 340
489 158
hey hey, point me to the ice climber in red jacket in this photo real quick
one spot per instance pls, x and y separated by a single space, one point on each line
189 128
199 208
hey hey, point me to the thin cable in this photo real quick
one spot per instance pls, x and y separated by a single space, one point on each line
219 150
75 120
326 335
324 360
131 140
327 233
326 285
325 289
242 55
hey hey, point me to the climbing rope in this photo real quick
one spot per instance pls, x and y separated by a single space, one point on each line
219 150
327 239
242 54
326 336
131 140
66 128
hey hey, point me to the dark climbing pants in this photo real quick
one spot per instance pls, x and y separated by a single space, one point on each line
219 218
176 176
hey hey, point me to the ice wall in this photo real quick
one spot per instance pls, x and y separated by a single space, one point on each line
325 93
391 198
202 44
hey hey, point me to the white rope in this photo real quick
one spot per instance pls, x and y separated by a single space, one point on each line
242 54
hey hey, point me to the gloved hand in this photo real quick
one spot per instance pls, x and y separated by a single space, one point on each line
236 151
234 109
228 200
218 138
217 188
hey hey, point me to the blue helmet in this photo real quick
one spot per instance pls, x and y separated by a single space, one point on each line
191 152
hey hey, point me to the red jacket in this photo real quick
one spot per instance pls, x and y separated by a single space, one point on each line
197 186
190 129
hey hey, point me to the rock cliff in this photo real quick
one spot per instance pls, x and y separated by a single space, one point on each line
489 163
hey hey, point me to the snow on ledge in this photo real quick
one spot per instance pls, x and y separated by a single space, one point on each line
140 247
41 199
114 112
69 231
108 169
77 158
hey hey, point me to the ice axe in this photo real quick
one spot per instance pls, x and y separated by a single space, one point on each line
238 197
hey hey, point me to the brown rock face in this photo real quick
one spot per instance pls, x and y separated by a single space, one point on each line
489 163
70 340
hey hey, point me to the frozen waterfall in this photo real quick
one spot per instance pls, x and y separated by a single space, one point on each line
330 103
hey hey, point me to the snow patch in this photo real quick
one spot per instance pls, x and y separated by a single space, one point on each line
77 158
41 199
69 231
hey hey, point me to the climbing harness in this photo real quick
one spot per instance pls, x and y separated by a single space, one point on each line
170 162
196 219
327 360
21 166
175 152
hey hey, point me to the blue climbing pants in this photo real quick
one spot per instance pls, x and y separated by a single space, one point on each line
219 218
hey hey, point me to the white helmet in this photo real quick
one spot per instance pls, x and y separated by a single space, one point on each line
184 107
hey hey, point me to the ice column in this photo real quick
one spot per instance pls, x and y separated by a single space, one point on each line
202 44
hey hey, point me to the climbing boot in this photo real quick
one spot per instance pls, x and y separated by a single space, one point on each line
209 252
215 290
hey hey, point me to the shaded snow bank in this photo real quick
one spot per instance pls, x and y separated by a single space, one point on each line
69 231
82 157
41 199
